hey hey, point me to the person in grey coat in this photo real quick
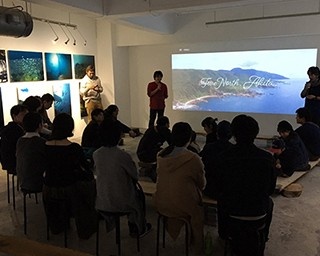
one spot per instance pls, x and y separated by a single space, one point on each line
116 182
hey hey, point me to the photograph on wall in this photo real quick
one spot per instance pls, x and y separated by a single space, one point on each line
58 66
83 110
3 67
268 81
62 98
81 62
1 111
32 90
25 66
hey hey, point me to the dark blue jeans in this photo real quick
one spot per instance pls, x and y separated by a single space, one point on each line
153 115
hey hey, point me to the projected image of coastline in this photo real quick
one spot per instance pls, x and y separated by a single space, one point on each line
25 66
58 66
3 67
249 81
81 62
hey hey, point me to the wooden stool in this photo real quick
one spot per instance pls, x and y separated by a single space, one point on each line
164 221
117 216
293 190
25 193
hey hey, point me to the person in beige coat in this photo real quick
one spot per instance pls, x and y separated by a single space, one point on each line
181 179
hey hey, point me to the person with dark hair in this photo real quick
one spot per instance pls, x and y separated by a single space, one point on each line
9 137
33 104
117 181
91 136
90 90
157 92
309 133
194 146
209 125
311 93
181 180
31 158
47 101
111 114
211 153
151 143
294 157
246 178
69 187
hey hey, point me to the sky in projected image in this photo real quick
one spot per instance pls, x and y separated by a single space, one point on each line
247 81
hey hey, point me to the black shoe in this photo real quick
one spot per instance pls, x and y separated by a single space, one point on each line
145 232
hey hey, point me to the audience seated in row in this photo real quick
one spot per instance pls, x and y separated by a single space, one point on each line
117 178
30 153
246 178
9 137
209 125
293 155
181 180
69 186
309 133
211 153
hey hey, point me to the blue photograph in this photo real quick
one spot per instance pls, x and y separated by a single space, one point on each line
267 81
81 62
25 66
62 99
58 66
3 67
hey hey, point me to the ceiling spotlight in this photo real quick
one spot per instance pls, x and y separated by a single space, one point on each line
54 32
84 40
74 40
68 39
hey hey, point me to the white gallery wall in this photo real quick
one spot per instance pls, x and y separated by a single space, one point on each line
127 56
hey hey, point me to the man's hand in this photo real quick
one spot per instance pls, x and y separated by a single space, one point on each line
132 134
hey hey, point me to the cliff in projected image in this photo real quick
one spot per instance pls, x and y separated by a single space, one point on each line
235 90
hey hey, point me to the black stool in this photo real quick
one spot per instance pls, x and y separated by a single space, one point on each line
13 189
164 221
25 193
246 236
63 203
117 216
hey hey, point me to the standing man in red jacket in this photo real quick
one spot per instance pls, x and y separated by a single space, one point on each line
158 92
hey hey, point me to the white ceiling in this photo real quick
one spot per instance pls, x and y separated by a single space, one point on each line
162 16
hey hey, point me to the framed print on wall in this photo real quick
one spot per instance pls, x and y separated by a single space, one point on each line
58 66
81 62
3 67
62 98
25 66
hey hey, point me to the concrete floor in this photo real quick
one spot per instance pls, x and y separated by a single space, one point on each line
295 229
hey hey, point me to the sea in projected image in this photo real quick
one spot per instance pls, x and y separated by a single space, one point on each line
282 99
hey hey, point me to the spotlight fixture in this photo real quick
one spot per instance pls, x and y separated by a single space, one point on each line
84 40
54 32
68 39
74 39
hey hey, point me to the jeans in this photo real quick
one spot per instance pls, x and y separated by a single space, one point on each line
153 115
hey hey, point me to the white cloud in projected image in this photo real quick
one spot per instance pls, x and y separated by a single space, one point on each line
289 63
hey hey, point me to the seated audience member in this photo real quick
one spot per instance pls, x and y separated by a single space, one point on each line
69 187
211 153
9 137
294 157
151 143
91 136
111 114
34 105
181 180
47 101
194 146
246 178
309 133
117 176
30 154
210 127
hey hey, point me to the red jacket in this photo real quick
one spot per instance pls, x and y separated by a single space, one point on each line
157 100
